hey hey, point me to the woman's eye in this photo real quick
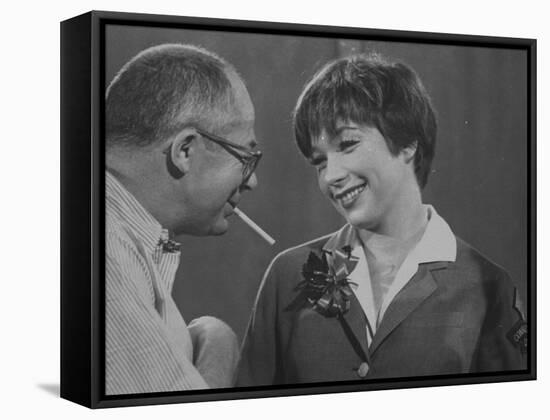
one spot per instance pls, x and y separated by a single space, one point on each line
320 166
320 163
348 145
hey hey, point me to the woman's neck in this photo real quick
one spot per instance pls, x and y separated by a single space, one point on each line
401 239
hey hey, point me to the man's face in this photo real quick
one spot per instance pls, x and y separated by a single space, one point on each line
216 177
362 179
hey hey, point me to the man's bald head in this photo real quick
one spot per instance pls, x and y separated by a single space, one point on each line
163 89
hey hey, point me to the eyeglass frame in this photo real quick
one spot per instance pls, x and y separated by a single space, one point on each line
250 160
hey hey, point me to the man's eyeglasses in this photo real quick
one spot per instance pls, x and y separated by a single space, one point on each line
248 158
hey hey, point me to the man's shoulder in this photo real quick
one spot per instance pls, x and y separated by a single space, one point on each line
122 248
118 233
127 273
116 237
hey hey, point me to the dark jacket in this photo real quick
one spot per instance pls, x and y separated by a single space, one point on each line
450 318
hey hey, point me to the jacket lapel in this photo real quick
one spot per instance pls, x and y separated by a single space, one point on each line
418 289
356 319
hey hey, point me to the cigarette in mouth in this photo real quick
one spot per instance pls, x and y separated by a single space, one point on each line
254 226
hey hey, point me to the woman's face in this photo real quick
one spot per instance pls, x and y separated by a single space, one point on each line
368 185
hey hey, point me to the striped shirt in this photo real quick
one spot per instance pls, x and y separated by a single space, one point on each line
147 345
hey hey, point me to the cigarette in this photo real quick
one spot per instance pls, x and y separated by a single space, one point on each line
254 226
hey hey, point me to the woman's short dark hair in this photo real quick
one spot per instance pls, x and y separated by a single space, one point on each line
369 90
162 89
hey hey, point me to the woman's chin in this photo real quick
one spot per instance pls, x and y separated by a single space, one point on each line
361 219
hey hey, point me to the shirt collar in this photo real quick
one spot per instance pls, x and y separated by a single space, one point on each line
122 205
438 243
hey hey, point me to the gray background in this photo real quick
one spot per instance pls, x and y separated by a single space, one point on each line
478 183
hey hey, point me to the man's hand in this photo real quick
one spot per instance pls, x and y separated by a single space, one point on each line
215 350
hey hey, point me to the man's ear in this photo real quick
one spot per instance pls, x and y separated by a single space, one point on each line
180 152
409 151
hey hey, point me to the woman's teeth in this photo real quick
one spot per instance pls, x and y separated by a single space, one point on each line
350 196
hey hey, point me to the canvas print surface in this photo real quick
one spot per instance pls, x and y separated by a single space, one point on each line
287 210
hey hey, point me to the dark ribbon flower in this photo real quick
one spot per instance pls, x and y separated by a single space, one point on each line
326 286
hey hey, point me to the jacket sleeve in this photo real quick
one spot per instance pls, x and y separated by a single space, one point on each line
502 345
260 355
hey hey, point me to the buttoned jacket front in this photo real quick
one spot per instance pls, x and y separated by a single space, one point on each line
450 318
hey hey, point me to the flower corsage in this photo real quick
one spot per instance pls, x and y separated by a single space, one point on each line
326 286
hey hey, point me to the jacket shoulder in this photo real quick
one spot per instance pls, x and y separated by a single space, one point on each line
297 255
285 270
478 267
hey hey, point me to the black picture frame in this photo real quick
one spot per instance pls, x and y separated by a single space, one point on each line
83 80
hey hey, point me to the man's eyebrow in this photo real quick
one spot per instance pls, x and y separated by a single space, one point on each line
235 123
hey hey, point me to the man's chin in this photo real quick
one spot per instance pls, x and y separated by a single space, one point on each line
217 232
214 229
219 228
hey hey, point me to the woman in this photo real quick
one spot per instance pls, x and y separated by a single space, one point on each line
393 293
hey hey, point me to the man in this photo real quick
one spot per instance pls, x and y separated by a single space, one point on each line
179 154
394 293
